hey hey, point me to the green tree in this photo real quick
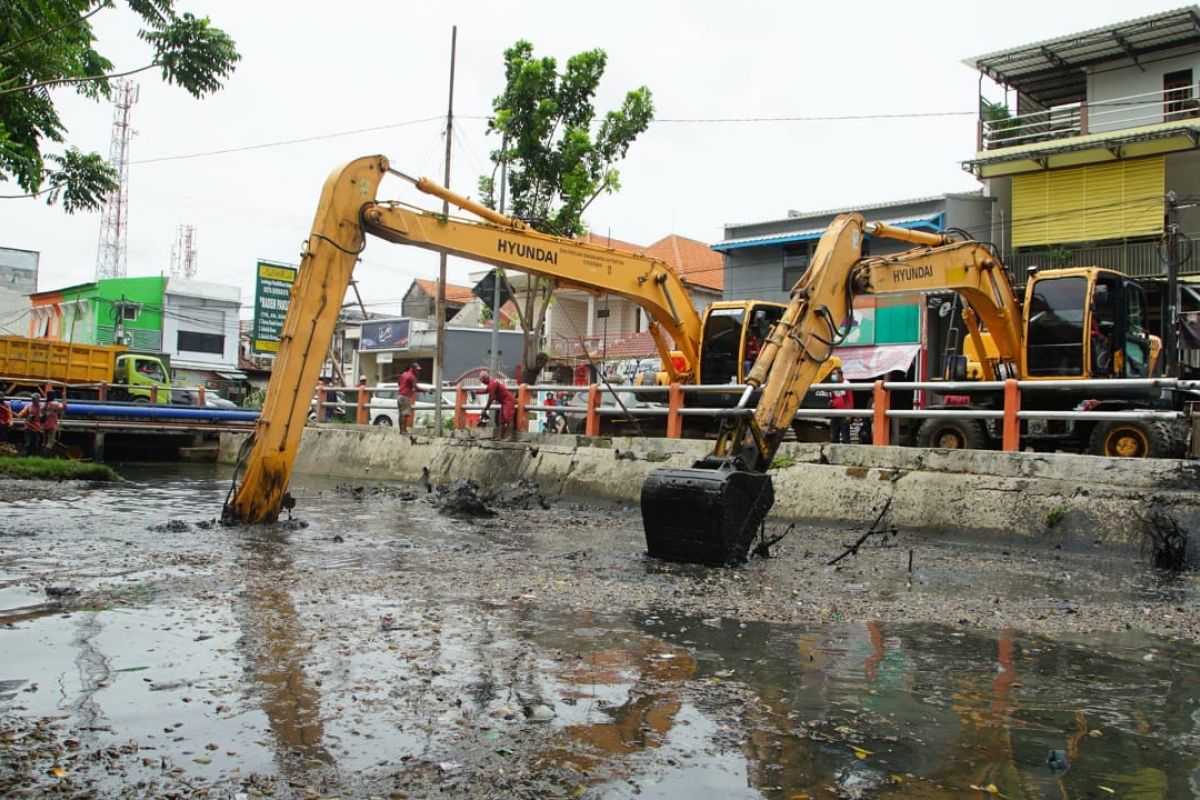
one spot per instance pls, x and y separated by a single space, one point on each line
557 159
47 44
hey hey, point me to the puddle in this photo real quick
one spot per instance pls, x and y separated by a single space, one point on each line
285 661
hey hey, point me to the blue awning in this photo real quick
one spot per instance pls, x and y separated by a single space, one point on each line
933 223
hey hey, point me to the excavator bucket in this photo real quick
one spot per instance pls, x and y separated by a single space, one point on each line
708 514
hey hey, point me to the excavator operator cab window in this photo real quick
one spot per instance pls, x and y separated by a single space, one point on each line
1056 326
1136 348
1104 331
762 319
721 348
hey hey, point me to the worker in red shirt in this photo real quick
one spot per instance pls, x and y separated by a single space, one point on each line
839 427
32 414
408 394
497 392
52 413
6 419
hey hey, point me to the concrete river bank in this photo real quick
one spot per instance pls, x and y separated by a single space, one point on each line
375 647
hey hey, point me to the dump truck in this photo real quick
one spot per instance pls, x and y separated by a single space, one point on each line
87 371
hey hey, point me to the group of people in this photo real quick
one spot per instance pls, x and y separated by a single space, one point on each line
41 422
497 394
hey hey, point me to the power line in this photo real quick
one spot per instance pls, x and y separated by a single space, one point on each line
285 142
677 120
827 118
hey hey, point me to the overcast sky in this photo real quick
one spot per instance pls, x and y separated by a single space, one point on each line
377 73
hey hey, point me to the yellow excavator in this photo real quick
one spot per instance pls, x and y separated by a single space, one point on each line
711 350
1077 324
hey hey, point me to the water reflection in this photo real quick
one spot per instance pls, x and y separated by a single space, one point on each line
274 648
875 710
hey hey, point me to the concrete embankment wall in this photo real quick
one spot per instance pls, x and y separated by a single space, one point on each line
1067 496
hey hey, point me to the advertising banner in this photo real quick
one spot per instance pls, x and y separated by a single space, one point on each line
272 292
385 334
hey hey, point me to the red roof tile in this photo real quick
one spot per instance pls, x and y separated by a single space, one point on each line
454 293
692 261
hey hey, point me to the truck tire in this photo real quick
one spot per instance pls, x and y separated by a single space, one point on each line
1137 438
383 421
952 434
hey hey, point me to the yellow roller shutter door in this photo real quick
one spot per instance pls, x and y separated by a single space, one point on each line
1101 201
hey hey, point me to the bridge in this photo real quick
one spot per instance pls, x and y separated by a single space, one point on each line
140 431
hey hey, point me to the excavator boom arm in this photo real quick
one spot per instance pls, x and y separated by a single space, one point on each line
646 281
711 512
347 211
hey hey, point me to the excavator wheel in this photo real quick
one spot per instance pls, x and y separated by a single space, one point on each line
1136 438
708 514
952 434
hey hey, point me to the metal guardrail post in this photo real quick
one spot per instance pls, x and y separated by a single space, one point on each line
881 430
363 399
522 407
154 395
103 392
593 407
320 401
674 418
1012 425
200 396
460 413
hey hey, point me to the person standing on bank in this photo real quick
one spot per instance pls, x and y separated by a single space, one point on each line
6 420
32 414
839 427
506 406
408 394
52 413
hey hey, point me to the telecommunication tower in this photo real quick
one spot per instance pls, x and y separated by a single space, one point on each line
183 252
111 257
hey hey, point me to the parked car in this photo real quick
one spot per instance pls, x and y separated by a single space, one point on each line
384 408
575 413
190 397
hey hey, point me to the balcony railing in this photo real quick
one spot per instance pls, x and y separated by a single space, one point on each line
1080 119
1135 259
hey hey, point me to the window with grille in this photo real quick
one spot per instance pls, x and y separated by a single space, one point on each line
195 342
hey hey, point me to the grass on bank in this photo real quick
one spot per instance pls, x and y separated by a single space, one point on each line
54 469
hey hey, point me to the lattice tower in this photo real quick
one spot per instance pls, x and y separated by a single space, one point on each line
183 252
111 256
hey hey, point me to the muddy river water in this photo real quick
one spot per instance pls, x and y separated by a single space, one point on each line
376 648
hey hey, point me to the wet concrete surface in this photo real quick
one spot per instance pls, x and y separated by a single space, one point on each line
377 647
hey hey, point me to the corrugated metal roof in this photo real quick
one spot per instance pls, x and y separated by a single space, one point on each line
934 223
833 212
1052 71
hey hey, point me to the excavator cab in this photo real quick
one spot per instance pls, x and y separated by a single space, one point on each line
733 333
1086 323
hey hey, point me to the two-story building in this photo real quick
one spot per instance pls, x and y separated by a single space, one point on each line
194 322
1090 146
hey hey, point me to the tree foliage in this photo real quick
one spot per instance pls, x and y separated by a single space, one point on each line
557 156
47 44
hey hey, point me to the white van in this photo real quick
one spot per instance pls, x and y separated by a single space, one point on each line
384 408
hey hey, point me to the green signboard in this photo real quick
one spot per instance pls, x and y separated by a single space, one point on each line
272 292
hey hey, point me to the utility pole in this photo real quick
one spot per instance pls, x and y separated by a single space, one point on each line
1170 343
440 349
494 360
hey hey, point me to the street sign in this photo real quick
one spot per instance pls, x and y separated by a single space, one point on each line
272 293
485 290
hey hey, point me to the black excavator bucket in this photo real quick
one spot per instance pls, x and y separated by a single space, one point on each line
707 514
